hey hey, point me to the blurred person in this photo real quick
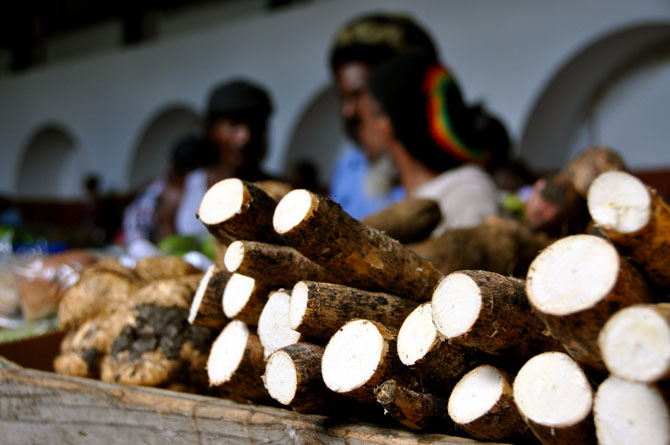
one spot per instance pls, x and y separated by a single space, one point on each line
141 218
9 213
364 179
93 211
415 106
236 136
304 174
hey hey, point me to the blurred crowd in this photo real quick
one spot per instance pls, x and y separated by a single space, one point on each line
410 131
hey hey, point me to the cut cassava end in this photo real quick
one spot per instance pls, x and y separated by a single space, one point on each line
293 378
357 254
236 362
619 201
415 410
590 163
233 208
420 347
635 342
273 325
630 412
636 218
482 403
206 308
279 266
573 274
320 309
358 358
417 335
244 298
490 312
555 398
575 285
296 206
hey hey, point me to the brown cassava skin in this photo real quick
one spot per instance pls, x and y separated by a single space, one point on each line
580 433
251 311
565 192
311 393
276 189
499 245
95 295
246 382
164 267
578 332
408 221
93 343
89 344
279 266
329 306
359 255
252 222
588 164
111 265
210 311
502 421
506 325
168 292
152 368
72 363
72 360
444 363
415 410
649 246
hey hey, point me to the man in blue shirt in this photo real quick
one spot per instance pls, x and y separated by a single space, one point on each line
364 181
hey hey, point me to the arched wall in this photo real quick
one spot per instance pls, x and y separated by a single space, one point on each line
615 92
502 52
50 165
153 149
317 135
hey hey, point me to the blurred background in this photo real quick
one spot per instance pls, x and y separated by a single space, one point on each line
94 94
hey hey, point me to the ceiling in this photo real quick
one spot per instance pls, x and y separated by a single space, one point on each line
25 25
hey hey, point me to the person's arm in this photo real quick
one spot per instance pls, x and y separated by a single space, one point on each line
166 211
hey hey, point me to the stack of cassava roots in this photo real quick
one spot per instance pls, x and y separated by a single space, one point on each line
503 335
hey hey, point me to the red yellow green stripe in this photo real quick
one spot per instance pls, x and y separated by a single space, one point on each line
437 83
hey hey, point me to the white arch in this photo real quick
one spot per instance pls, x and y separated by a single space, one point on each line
50 165
151 153
559 123
317 135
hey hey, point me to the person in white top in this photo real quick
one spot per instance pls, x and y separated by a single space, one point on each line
439 144
236 131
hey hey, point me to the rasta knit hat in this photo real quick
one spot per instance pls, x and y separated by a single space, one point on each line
374 38
429 115
239 98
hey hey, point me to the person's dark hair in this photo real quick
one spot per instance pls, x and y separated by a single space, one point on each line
189 153
374 38
430 117
91 183
240 100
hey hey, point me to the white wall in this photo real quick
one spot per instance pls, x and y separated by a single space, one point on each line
505 53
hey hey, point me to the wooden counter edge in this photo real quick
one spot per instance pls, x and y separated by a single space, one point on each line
41 407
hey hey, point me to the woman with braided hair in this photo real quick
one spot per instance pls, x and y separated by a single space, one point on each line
440 146
364 179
